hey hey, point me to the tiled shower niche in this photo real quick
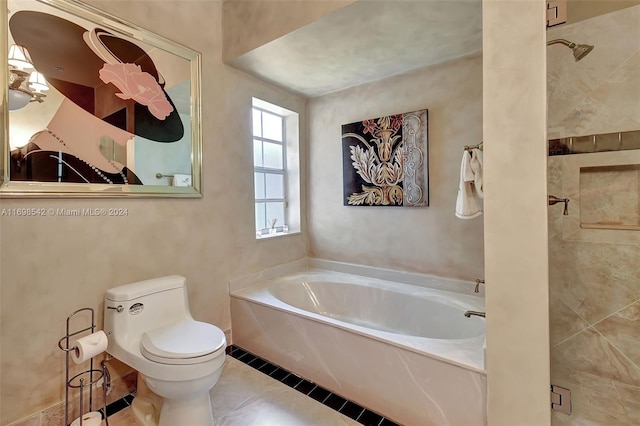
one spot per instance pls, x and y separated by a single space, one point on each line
604 193
610 197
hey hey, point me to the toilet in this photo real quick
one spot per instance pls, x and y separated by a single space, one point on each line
150 328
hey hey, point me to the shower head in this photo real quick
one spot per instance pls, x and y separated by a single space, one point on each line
579 50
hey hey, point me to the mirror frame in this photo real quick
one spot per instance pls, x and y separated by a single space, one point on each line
128 31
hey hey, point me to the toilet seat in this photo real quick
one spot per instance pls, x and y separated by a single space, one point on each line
184 342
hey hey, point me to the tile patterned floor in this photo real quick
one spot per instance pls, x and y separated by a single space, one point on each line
246 396
336 402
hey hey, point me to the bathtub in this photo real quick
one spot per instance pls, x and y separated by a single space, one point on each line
405 351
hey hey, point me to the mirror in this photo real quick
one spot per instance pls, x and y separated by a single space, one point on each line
96 106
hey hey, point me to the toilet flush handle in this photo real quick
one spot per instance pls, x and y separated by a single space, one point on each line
118 308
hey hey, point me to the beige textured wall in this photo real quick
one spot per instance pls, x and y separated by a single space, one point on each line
423 239
515 154
51 266
248 24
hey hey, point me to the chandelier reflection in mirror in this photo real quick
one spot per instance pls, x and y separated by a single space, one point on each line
26 84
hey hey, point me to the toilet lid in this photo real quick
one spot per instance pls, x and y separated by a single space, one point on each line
185 342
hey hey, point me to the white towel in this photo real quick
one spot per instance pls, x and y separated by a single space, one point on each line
476 168
470 190
181 180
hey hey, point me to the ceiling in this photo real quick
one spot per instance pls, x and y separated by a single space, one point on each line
367 41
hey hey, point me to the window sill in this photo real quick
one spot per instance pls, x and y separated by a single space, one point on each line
277 234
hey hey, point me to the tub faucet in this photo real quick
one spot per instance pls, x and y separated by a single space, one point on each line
478 282
469 313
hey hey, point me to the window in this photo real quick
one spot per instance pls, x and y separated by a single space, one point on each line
273 183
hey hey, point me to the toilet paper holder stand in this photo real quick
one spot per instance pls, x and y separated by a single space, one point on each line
84 379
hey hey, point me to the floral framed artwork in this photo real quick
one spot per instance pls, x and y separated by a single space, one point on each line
385 161
96 106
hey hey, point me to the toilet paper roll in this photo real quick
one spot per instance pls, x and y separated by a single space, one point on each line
89 346
92 418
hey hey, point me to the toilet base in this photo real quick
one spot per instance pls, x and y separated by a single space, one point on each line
180 412
146 405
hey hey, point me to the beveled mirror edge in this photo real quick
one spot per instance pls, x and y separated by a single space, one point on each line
4 96
196 130
21 189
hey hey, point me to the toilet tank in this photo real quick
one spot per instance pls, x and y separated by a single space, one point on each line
134 308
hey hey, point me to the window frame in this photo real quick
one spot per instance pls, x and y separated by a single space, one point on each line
269 170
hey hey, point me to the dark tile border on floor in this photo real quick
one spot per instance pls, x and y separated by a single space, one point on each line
310 389
117 405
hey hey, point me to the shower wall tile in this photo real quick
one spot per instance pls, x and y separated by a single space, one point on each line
555 221
630 398
590 117
616 36
595 279
554 174
590 353
600 400
565 94
621 329
597 401
554 187
621 89
564 322
598 94
594 274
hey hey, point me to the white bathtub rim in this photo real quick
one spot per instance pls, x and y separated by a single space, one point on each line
452 285
417 279
470 302
445 350
249 280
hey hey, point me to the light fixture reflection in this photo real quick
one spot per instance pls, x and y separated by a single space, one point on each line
25 83
38 82
19 57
